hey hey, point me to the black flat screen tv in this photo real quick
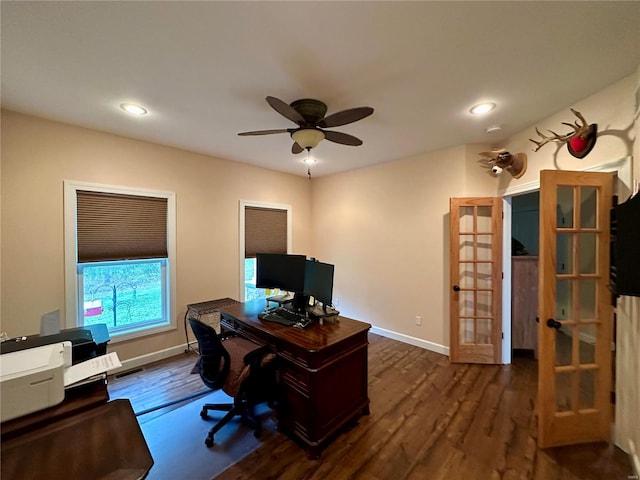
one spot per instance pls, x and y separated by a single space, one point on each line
626 249
283 271
318 282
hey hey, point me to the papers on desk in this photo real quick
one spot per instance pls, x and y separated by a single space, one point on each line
89 369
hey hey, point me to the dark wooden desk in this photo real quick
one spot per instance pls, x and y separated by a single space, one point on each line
322 369
85 436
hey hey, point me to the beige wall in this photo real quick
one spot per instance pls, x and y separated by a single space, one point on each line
38 155
614 110
628 341
385 227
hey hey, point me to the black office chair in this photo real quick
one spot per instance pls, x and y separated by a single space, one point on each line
242 369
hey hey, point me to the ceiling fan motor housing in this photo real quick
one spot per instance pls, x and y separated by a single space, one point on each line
311 110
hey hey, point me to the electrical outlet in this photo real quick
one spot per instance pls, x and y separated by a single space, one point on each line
418 320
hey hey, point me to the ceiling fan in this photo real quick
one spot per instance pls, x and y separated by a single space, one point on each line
309 115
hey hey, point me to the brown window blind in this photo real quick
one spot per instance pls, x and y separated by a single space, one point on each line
120 227
265 231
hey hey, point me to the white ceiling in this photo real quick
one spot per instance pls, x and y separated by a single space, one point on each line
203 69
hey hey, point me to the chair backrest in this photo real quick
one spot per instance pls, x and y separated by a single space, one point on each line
214 358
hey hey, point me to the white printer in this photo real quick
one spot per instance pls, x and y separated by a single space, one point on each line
32 379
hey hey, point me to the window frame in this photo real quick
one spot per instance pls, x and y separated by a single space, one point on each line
72 281
243 205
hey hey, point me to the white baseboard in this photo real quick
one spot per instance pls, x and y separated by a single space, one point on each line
635 458
142 360
417 342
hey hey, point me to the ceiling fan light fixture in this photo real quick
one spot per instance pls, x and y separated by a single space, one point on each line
307 137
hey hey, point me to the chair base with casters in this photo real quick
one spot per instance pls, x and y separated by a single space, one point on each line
246 414
243 370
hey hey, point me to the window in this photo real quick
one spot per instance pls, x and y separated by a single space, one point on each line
264 228
119 249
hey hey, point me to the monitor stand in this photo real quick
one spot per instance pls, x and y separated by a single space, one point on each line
300 302
280 300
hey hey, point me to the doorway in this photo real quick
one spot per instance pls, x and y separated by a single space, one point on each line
525 232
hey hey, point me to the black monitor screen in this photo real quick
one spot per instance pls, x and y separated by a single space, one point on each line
318 281
276 270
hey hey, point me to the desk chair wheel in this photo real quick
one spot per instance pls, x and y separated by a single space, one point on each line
209 441
203 414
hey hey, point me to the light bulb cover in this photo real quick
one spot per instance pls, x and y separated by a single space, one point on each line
307 137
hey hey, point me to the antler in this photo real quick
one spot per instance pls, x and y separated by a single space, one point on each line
580 130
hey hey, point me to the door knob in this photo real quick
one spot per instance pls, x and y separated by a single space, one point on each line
456 288
551 323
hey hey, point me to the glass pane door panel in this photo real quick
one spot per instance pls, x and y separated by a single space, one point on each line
588 299
484 275
466 275
483 299
484 220
587 388
564 346
588 207
466 304
587 253
565 207
484 330
466 247
484 247
466 219
467 330
563 299
587 343
564 253
563 391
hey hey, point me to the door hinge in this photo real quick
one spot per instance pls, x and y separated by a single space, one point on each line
502 335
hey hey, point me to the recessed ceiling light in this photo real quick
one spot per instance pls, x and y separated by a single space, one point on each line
309 161
482 108
494 129
133 109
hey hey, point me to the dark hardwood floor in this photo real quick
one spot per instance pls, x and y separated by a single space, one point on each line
430 419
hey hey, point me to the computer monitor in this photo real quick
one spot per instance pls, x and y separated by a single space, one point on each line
279 270
318 282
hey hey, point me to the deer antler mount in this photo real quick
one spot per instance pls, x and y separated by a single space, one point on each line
579 142
500 160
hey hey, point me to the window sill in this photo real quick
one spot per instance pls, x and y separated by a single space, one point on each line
117 337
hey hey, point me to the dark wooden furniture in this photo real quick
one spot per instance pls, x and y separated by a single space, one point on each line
524 303
322 372
85 436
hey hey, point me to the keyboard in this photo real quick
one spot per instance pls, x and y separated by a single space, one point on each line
285 317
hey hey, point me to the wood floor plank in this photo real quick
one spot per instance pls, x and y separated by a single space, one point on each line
430 419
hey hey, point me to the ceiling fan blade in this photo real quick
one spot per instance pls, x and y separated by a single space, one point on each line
296 148
285 110
264 132
345 116
343 138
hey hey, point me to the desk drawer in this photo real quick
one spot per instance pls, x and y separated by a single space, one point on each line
295 378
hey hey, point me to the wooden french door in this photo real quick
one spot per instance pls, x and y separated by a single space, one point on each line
575 313
476 276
